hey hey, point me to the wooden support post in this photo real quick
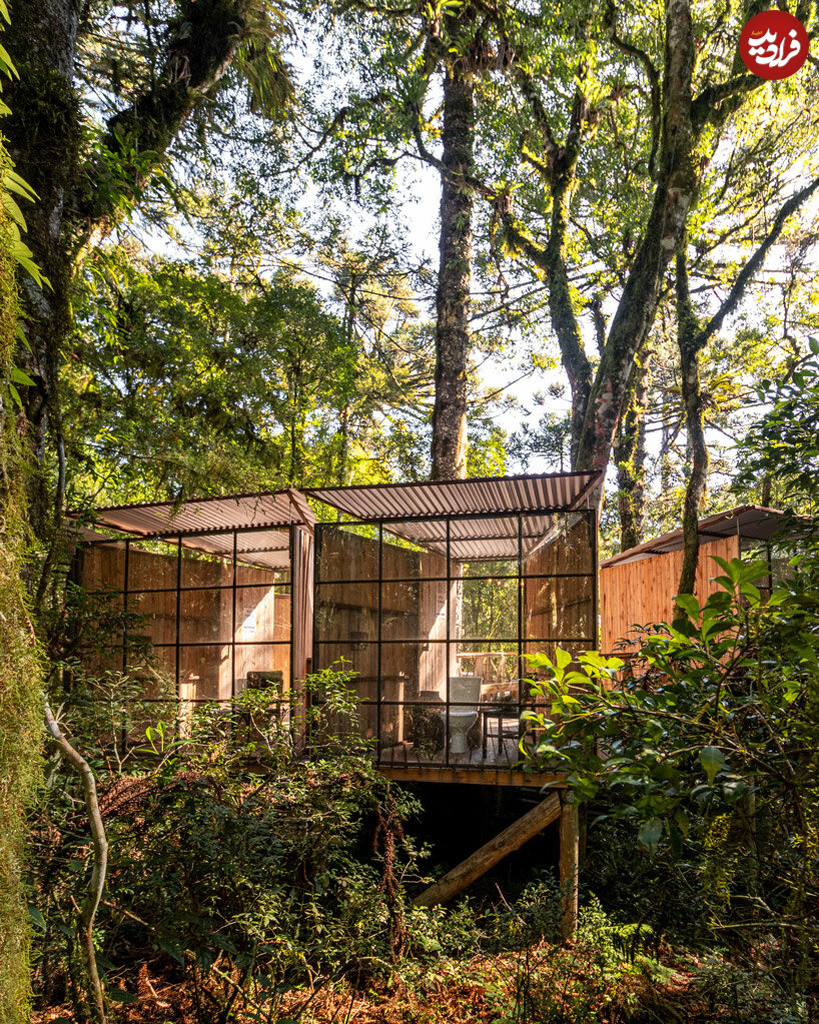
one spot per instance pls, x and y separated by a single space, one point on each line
569 867
495 850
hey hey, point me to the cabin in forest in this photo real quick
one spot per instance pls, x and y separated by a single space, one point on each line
638 586
432 593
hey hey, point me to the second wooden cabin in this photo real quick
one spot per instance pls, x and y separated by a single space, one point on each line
638 586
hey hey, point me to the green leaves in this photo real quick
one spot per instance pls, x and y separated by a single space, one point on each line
650 833
713 760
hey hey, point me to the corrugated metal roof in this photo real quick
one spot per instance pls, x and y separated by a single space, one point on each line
473 539
548 492
754 522
205 524
238 512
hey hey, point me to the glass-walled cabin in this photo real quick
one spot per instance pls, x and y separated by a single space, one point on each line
430 595
435 617
199 616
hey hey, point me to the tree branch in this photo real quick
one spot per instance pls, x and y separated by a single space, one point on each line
96 883
654 83
754 264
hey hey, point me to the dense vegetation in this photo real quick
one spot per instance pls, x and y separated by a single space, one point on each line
232 279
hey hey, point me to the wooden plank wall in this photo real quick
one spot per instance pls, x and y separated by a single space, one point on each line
206 617
642 592
560 607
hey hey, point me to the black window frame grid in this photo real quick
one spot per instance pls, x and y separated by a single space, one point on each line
520 642
236 563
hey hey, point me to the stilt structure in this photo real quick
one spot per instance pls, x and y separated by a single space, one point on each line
569 866
552 809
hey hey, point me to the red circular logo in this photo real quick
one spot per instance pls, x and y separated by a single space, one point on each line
774 44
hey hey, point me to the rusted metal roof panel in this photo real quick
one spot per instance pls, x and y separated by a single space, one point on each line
754 522
239 512
539 493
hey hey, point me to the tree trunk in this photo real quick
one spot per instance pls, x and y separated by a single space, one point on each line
81 195
44 136
449 440
96 884
679 173
630 458
688 339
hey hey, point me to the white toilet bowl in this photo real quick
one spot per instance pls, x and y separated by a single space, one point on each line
462 690
461 721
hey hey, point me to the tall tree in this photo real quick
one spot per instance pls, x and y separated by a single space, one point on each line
454 274
103 94
649 129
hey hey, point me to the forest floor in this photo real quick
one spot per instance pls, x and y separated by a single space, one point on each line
543 984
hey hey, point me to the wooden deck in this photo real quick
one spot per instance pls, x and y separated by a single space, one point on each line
475 776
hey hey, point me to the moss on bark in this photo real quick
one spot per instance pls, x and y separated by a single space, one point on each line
20 670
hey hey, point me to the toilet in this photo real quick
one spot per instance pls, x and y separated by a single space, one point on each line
462 690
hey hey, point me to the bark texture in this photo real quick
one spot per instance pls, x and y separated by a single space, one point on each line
690 345
449 441
679 176
630 457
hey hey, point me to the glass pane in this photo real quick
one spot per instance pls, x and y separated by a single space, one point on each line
205 672
413 734
414 550
153 616
205 570
361 659
151 566
414 671
567 549
414 611
263 666
475 542
346 552
495 665
347 611
486 608
262 614
205 615
559 607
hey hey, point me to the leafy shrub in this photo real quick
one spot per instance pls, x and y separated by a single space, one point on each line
238 864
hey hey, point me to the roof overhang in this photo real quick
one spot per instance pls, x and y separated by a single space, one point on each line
261 521
477 517
431 499
753 522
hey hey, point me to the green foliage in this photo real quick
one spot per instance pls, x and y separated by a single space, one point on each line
784 443
235 855
20 666
590 980
712 750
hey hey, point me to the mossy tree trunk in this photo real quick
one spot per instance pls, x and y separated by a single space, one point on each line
21 705
630 456
449 418
83 192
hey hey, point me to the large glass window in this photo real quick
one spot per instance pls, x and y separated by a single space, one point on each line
435 619
203 626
